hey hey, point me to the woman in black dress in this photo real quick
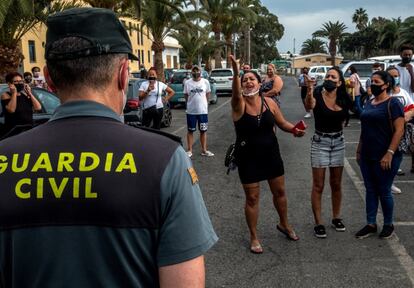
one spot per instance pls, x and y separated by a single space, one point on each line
257 150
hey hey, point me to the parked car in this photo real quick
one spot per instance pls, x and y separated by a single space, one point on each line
223 78
48 100
177 84
318 72
364 69
133 109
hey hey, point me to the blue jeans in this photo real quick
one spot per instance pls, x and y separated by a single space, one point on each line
378 187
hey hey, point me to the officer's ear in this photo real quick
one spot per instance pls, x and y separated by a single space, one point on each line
123 75
49 80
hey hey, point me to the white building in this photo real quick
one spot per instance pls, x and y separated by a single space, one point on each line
171 54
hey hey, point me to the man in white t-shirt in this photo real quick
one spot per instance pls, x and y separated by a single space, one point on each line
197 92
151 94
406 69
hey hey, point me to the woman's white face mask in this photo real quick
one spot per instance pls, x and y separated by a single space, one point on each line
250 94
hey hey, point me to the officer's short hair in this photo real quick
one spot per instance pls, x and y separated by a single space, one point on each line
83 46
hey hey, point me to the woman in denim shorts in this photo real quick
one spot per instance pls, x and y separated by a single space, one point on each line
330 104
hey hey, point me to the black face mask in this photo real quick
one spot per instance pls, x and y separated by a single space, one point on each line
195 75
376 90
19 87
152 78
406 60
28 79
329 85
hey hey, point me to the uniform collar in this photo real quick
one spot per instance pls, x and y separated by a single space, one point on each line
83 108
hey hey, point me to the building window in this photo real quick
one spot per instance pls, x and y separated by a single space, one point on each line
328 59
308 59
142 35
149 56
175 61
142 57
32 51
138 42
130 28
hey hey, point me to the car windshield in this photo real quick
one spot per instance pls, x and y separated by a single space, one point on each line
221 73
49 101
178 77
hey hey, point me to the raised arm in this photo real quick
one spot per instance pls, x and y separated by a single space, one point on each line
237 98
310 100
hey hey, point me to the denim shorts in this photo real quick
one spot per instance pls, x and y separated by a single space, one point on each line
327 151
201 119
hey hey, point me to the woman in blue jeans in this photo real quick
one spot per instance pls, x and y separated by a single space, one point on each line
382 126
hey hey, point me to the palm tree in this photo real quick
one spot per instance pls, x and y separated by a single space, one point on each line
191 42
360 18
333 32
312 46
406 32
160 17
218 13
389 35
17 17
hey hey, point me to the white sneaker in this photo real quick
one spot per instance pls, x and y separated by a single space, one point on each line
307 115
189 153
395 189
207 153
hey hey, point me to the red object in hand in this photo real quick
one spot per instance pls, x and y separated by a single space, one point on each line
408 108
301 125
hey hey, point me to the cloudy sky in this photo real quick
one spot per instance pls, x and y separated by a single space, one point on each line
303 17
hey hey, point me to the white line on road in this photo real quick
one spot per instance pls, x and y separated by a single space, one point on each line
211 112
351 142
403 223
395 181
396 246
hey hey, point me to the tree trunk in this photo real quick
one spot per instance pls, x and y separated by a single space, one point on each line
332 51
229 44
217 51
10 58
158 47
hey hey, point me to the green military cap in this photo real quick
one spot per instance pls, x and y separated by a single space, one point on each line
100 27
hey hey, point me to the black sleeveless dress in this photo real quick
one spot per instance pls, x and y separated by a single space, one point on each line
257 150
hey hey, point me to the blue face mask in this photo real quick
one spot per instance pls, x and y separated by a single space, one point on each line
397 81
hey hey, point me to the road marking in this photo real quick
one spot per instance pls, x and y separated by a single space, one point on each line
211 112
403 223
398 249
346 142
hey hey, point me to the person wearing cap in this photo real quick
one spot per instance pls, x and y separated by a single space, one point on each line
87 201
197 92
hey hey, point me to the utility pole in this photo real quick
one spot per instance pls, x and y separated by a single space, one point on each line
197 4
248 48
294 46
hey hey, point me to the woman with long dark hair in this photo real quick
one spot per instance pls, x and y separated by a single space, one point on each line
257 150
330 104
382 126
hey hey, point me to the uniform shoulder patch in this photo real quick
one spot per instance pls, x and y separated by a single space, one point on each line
193 175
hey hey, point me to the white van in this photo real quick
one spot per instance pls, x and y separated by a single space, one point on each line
364 69
318 72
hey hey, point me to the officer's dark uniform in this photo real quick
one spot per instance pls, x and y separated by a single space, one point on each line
86 201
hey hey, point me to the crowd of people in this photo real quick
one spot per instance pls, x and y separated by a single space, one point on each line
150 226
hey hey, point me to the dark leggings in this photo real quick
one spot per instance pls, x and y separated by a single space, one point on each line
153 115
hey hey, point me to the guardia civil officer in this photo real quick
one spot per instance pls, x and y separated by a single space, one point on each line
86 201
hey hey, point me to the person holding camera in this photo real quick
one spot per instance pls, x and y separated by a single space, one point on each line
330 104
18 103
257 150
151 92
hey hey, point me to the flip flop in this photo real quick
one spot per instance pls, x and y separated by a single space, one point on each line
291 236
256 249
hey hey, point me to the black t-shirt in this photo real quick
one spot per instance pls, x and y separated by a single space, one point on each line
23 114
327 120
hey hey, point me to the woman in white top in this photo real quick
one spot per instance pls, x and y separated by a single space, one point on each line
151 94
405 100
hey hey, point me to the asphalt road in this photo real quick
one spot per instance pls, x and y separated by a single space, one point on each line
340 260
